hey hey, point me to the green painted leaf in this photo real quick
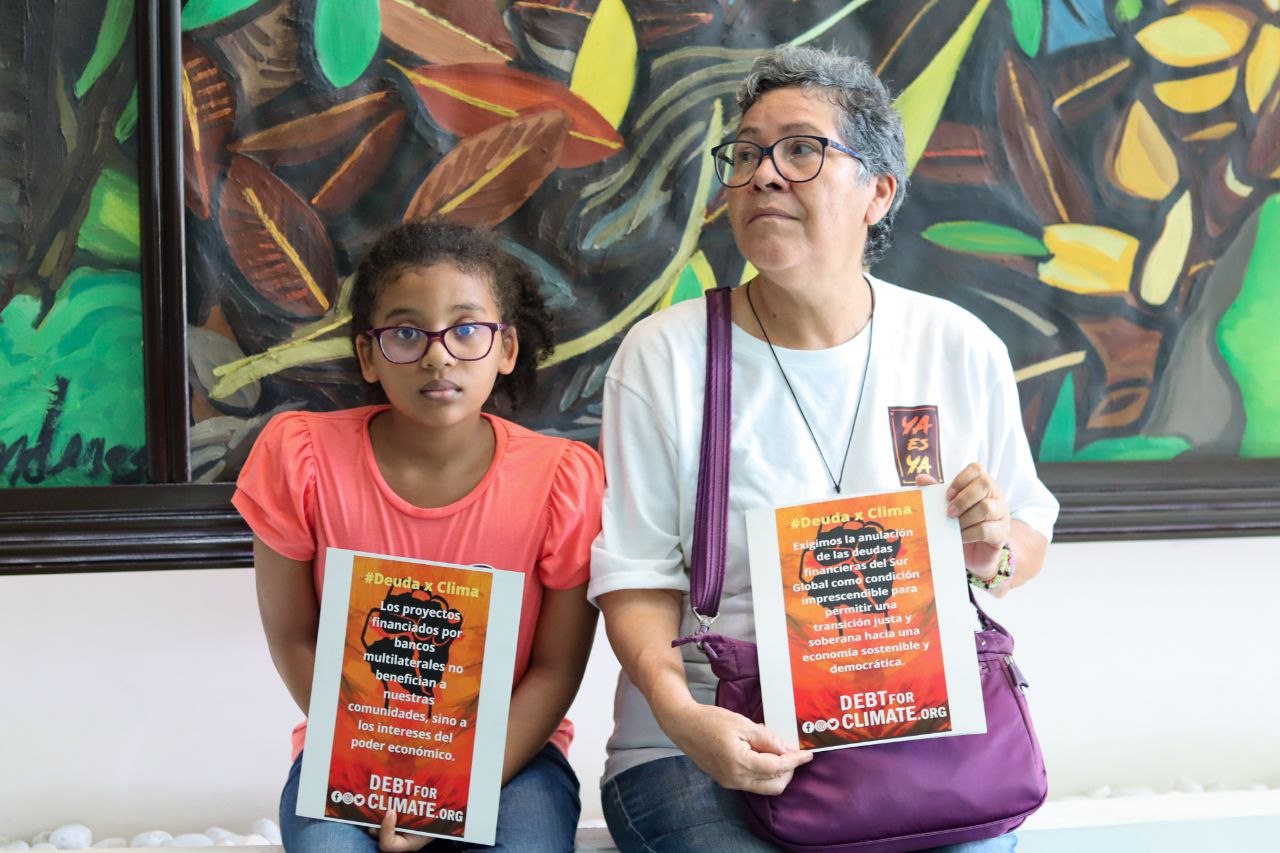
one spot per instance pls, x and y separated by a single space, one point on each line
984 238
347 33
1128 10
111 227
201 13
91 338
922 101
116 19
1028 24
1248 340
1058 442
128 121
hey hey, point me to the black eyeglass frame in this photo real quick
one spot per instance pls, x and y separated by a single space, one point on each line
494 329
767 151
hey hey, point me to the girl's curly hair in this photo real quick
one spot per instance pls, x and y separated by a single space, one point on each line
520 302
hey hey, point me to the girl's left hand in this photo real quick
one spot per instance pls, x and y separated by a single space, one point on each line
391 842
975 498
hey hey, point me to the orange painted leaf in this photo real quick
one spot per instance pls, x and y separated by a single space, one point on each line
487 177
1045 172
262 55
447 32
658 20
303 139
277 241
362 166
471 98
208 115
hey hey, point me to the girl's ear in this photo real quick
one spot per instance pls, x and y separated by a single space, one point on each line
510 349
364 352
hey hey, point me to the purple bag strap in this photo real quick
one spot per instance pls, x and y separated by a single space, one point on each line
711 511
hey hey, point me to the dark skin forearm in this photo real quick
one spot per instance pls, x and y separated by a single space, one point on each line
290 617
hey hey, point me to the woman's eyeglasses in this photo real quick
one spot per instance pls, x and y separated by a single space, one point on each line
796 158
464 341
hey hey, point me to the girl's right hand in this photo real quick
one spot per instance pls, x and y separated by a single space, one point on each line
734 751
391 842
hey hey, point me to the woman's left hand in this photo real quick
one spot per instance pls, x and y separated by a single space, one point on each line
390 841
975 498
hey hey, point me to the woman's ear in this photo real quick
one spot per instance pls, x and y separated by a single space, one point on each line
883 191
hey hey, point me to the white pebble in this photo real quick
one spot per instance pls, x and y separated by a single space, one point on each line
41 837
268 830
16 845
1187 786
218 834
1104 791
72 836
1256 786
1216 787
255 840
111 843
43 845
154 838
190 839
1133 791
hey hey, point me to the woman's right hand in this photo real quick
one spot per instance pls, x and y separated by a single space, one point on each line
735 752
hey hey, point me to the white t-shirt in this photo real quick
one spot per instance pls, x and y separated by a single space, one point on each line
940 391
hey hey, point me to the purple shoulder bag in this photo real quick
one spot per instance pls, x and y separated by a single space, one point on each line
907 795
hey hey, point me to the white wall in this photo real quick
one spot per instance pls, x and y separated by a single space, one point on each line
146 700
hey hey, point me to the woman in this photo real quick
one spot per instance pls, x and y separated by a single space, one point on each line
841 383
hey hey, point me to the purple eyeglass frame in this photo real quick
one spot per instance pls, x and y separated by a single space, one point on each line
376 334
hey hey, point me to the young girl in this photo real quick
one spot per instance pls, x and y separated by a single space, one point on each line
442 317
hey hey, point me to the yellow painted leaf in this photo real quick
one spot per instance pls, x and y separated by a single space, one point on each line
1198 94
748 272
1198 36
1212 132
1263 66
1088 259
1142 163
1168 256
604 74
921 102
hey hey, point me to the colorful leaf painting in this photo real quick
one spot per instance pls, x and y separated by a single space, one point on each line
362 166
1028 24
921 102
347 33
1263 66
277 241
425 29
201 13
487 177
1044 171
308 137
1198 36
128 121
662 21
1088 259
111 228
263 54
1264 148
1163 269
116 20
1141 161
984 238
209 113
605 73
471 98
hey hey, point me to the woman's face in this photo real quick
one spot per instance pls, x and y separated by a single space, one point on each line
782 226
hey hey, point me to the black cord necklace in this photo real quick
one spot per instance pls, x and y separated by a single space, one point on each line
871 320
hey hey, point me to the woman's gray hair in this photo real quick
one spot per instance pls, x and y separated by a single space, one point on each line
867 120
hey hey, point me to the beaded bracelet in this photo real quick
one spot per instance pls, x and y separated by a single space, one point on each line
1004 570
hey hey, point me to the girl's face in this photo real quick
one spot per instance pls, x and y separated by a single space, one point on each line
438 390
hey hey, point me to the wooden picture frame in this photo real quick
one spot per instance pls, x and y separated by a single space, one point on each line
174 523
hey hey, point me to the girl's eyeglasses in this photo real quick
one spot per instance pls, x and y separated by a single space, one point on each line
796 158
464 341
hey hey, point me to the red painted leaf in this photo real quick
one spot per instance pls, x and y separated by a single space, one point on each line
471 98
362 166
277 241
447 32
487 177
208 114
303 139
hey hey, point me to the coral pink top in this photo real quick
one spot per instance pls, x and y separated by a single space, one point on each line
312 482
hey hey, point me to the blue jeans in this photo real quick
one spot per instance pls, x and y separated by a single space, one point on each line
670 806
537 811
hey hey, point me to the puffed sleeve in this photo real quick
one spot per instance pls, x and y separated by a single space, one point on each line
1008 453
573 508
276 490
